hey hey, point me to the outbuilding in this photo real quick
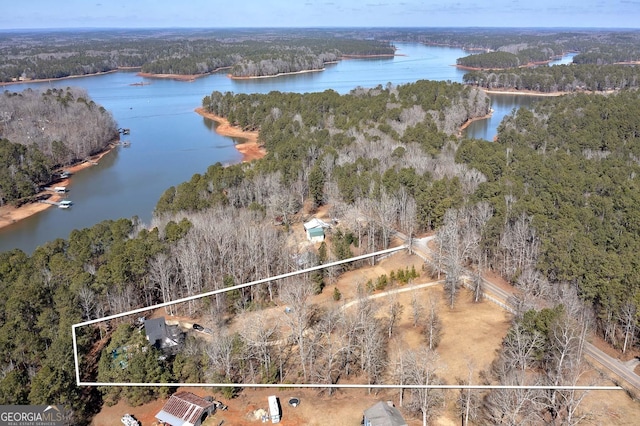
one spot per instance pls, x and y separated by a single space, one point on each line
315 230
383 414
185 409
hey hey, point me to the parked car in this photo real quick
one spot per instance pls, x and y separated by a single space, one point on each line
198 327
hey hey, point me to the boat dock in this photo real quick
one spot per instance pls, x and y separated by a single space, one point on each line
64 204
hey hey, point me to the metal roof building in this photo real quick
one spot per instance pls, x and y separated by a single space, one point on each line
185 409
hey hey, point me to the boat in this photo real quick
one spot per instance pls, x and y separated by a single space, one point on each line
65 204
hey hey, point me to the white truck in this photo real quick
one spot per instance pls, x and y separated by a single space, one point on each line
274 409
129 420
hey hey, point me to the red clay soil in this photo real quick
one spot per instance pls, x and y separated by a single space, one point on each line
250 150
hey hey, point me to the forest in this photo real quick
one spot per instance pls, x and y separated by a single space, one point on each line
185 52
559 78
43 131
265 52
502 60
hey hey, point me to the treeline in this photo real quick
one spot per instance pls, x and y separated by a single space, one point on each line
495 39
505 60
594 46
44 130
558 78
607 54
286 63
31 55
176 52
563 177
490 60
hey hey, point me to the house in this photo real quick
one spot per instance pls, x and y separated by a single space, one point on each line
315 230
383 414
185 409
161 335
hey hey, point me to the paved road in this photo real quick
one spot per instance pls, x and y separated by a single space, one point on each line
496 294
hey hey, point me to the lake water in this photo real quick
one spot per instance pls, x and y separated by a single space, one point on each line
170 142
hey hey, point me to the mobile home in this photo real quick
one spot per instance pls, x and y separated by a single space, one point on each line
274 409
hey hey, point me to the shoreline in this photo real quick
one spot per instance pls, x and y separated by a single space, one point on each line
179 77
45 80
527 65
471 120
251 77
522 92
250 150
10 214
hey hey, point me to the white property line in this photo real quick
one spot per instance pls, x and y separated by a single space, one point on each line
301 385
354 386
199 296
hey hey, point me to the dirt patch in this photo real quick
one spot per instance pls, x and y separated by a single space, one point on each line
608 407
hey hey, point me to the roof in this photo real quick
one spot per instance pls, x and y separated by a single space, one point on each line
315 223
155 329
383 414
183 408
316 232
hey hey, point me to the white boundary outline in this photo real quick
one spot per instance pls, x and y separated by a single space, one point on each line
288 385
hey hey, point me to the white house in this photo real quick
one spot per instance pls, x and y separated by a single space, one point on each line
315 230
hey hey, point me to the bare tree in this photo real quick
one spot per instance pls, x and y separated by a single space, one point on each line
187 253
563 365
458 240
629 319
88 301
519 245
421 367
295 295
477 286
330 346
259 336
417 310
521 347
162 274
394 312
433 325
220 355
468 402
512 406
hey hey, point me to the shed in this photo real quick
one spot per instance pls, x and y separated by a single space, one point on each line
383 414
185 409
315 230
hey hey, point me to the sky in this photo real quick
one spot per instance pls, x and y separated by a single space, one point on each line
311 13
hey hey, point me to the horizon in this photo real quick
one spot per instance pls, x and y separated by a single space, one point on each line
283 14
54 29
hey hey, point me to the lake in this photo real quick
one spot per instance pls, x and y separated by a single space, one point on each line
170 142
